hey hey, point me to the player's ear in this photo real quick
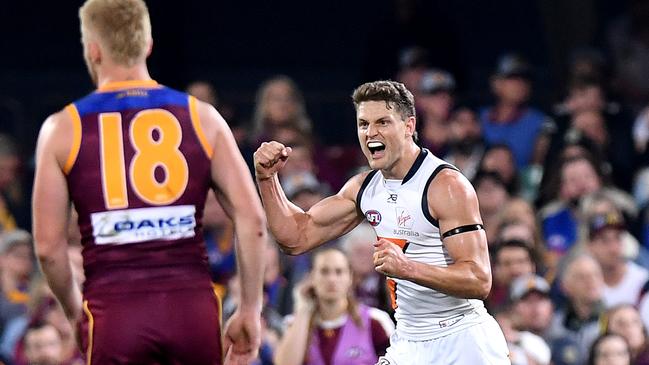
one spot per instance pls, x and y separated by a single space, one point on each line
150 48
94 52
411 126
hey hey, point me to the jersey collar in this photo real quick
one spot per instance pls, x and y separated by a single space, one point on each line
128 84
415 166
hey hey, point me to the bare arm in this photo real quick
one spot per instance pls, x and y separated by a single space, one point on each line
298 231
51 212
451 199
236 193
292 347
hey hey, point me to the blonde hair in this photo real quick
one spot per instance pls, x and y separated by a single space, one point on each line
299 120
122 26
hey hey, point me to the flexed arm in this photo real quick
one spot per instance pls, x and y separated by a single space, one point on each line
298 231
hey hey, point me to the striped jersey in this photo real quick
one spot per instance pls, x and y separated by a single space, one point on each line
138 174
398 211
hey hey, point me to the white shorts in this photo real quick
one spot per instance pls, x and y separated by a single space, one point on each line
482 344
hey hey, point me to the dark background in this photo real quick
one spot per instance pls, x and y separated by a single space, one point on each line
328 47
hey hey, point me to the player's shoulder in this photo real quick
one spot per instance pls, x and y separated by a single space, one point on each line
58 120
450 182
354 186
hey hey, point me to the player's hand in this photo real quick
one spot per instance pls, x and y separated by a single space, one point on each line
304 297
390 260
269 158
242 337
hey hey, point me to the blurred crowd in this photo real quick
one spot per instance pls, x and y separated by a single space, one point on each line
563 192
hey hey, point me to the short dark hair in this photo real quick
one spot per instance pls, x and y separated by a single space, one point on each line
513 243
393 93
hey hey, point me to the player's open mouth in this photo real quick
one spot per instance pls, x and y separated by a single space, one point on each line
376 148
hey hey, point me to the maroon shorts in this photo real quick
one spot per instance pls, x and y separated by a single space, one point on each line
174 327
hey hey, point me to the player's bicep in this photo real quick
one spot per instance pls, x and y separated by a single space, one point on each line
336 215
51 203
229 172
453 201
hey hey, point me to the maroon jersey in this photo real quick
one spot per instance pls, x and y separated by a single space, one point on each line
138 175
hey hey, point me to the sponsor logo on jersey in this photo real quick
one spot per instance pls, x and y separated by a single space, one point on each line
404 219
383 361
405 232
451 321
392 198
143 224
374 217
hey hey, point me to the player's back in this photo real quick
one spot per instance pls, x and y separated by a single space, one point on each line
138 174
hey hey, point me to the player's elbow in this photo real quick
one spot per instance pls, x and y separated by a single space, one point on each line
46 250
292 249
482 285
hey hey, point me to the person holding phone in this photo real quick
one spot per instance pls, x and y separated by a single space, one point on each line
328 326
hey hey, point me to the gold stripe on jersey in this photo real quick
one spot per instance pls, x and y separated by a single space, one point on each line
76 138
196 122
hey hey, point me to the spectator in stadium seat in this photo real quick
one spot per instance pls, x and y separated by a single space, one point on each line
493 195
525 348
575 178
499 158
11 195
43 345
511 259
17 263
624 320
511 120
466 145
368 284
578 321
623 279
531 306
610 349
279 102
328 325
434 105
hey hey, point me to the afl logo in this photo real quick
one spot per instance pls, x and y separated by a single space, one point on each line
374 217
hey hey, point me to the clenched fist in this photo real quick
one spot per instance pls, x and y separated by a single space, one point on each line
270 157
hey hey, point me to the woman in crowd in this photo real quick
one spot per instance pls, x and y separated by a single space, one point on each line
328 326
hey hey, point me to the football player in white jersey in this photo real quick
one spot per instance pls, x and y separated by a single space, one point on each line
432 245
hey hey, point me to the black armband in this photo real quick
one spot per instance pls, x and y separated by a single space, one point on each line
462 229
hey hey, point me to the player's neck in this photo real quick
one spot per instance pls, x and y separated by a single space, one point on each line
116 73
332 310
399 170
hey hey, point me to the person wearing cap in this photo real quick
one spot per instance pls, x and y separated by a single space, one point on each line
532 308
435 102
525 348
623 278
511 120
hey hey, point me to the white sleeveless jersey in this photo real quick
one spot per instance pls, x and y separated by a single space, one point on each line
398 211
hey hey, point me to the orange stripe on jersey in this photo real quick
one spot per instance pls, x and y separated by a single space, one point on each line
91 328
399 242
391 284
129 84
196 122
392 290
76 138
